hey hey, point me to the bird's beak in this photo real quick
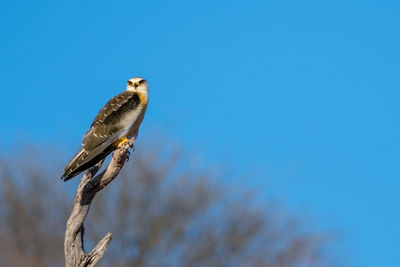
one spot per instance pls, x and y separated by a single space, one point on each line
135 85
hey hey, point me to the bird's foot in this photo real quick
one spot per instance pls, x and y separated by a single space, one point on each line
130 142
122 141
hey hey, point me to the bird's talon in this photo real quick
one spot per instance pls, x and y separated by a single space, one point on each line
122 141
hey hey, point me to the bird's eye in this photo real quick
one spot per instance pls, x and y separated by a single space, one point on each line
129 83
141 81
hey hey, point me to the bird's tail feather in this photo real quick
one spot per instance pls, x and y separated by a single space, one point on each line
83 160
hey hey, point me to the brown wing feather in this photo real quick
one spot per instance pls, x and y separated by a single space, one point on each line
106 122
99 140
83 161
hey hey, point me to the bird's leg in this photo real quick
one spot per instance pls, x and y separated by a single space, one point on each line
122 141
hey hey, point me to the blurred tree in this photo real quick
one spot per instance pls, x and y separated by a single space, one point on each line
160 213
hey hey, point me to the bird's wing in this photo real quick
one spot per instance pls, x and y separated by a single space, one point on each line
111 123
108 121
86 159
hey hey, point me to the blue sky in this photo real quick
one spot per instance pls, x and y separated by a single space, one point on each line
306 92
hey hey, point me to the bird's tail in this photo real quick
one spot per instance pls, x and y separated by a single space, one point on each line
83 160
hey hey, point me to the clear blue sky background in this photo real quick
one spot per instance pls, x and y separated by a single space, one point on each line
307 91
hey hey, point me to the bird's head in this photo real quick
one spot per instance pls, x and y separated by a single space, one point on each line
137 84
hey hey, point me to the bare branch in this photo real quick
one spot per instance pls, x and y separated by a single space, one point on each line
75 254
98 251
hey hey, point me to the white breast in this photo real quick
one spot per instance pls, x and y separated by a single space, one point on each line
129 119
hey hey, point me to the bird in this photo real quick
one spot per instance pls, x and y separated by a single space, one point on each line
117 122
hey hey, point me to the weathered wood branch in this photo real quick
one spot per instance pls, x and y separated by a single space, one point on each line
75 255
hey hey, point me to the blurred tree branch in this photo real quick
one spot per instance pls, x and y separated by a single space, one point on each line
75 255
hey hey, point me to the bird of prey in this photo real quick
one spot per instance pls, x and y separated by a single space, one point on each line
117 121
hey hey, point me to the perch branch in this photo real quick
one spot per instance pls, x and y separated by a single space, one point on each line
75 255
